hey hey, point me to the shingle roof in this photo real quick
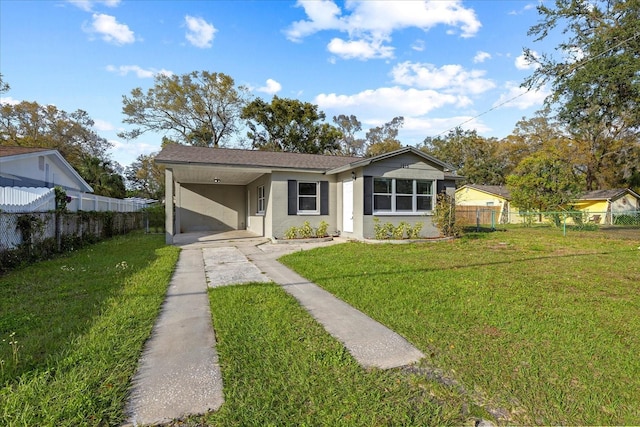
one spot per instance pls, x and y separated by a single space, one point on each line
493 189
229 156
603 194
14 151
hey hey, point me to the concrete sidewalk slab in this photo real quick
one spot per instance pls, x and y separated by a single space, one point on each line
372 344
227 265
178 373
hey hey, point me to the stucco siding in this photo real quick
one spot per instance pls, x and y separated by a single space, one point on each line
428 228
404 166
257 221
281 221
210 207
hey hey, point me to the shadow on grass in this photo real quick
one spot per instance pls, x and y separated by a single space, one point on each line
46 306
471 265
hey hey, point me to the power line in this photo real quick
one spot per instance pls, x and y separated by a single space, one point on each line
568 71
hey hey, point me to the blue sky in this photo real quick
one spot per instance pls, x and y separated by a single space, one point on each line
437 63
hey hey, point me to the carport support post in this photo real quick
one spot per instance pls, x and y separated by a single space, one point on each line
168 206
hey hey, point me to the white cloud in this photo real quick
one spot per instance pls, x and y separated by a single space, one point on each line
140 72
87 5
359 49
449 78
102 125
9 100
272 87
199 32
481 57
522 63
371 23
518 97
110 29
387 102
125 153
418 45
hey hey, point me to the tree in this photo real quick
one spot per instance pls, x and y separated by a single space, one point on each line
199 108
29 124
384 139
544 181
146 177
595 79
4 86
349 126
290 125
102 176
476 158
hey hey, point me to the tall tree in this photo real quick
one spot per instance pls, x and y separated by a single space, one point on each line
290 125
594 77
544 181
351 145
29 124
198 108
384 138
146 177
476 158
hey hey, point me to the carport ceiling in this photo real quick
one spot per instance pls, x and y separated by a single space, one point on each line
211 174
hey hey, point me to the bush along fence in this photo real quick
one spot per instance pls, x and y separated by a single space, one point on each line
34 236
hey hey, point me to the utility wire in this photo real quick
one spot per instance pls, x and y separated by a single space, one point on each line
568 71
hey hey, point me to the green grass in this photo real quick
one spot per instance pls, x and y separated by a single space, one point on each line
540 326
281 368
80 322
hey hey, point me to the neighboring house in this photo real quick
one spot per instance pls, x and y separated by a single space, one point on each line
599 205
38 167
486 199
215 189
29 175
604 205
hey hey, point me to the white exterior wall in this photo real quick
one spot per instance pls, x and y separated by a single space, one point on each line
41 169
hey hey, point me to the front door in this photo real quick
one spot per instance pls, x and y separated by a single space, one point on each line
347 206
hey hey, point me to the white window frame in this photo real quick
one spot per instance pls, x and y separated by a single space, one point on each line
316 211
261 200
394 195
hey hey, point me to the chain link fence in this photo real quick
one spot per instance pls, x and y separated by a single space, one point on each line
492 217
32 236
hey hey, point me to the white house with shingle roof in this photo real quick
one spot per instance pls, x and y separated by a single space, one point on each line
218 189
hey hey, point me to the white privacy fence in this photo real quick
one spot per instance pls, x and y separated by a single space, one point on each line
29 199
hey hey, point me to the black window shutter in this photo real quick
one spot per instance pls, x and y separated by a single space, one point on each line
368 195
293 197
324 197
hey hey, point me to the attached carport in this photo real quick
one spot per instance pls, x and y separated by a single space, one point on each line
207 197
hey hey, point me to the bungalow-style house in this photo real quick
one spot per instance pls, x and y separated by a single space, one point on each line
217 189
599 206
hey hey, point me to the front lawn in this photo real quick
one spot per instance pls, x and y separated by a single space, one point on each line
540 327
72 330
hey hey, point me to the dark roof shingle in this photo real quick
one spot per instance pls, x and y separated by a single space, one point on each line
230 156
14 151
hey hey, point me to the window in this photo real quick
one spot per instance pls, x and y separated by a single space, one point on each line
397 195
261 199
308 195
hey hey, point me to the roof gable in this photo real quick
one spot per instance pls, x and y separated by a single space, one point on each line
9 154
611 194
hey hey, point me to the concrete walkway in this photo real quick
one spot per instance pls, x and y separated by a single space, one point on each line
179 374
